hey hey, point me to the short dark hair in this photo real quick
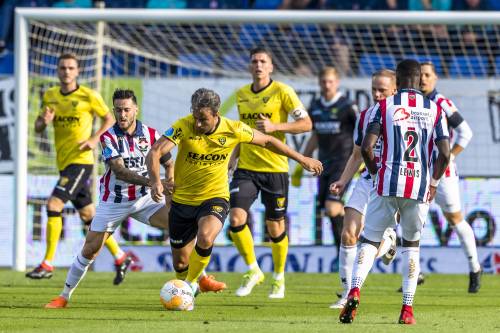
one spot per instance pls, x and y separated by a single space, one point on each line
124 94
260 49
205 98
429 63
68 56
408 73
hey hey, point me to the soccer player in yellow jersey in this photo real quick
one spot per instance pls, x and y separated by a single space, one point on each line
200 203
264 104
71 109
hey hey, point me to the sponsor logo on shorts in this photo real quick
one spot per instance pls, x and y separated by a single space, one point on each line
175 241
217 209
280 202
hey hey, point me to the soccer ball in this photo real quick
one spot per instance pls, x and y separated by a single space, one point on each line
177 295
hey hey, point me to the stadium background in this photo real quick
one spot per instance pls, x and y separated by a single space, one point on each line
471 81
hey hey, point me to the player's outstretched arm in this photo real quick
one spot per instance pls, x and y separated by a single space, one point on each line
121 172
369 142
311 145
107 121
279 147
300 125
353 164
159 149
463 133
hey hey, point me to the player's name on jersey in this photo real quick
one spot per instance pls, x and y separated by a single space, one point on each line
408 172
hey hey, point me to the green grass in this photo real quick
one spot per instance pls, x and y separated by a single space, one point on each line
441 305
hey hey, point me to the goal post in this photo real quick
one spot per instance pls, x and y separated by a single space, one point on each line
142 48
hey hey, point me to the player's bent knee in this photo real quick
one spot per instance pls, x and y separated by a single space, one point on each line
349 237
411 235
454 218
55 204
237 217
408 243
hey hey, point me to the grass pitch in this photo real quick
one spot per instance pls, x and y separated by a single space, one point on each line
441 305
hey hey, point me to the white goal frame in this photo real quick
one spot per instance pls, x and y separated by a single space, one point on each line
24 15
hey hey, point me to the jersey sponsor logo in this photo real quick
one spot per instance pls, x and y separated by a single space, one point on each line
334 110
67 121
133 162
207 157
107 152
169 132
177 134
143 144
327 127
400 115
222 140
255 115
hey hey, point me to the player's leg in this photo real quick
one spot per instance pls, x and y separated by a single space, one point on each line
274 192
379 216
243 193
210 217
413 217
448 198
106 220
334 209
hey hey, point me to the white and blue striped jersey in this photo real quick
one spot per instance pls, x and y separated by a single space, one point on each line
133 150
359 134
409 124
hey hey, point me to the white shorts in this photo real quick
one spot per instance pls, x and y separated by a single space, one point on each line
360 195
448 195
380 215
109 215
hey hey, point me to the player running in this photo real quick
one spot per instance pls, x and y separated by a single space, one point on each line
408 122
334 120
265 105
71 109
200 204
383 86
448 192
124 189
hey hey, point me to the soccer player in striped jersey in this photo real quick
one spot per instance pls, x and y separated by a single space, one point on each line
409 124
383 86
448 192
71 108
124 187
205 141
266 105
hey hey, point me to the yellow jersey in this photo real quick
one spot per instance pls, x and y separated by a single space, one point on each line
202 162
74 115
276 102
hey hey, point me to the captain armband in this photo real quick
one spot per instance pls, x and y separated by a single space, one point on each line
299 114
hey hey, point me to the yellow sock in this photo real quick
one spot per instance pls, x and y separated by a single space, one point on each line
198 260
243 240
53 233
113 247
280 251
181 275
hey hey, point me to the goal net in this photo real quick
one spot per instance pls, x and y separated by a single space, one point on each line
165 55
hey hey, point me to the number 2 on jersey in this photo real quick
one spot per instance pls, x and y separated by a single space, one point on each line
411 138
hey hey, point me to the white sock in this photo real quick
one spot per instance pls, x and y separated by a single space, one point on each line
411 269
347 256
466 236
363 264
75 275
279 276
253 265
203 273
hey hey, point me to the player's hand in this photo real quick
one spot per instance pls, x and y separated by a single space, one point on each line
48 115
264 124
337 187
297 175
168 186
157 192
312 165
89 144
432 193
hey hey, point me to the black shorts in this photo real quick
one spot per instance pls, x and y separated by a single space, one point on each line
74 185
329 176
245 187
183 219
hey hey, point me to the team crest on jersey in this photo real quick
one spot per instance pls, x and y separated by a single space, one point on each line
143 144
400 114
222 140
74 103
410 96
334 110
280 202
265 99
63 181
